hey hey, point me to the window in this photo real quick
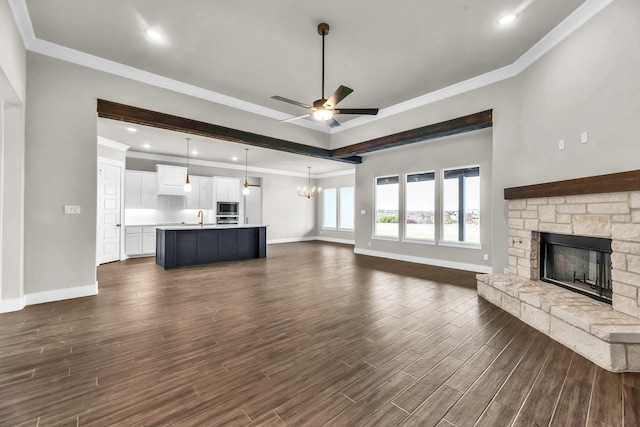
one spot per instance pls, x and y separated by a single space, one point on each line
387 206
461 205
420 206
338 212
330 205
347 208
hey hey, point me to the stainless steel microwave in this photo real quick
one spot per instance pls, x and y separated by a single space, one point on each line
227 208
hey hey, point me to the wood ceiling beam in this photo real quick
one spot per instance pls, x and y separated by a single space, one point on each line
129 114
609 183
481 120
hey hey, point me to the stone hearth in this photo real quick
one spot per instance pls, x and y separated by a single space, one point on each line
609 335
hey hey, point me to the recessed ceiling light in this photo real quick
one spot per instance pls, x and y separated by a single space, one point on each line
507 19
146 145
132 129
153 34
194 152
234 158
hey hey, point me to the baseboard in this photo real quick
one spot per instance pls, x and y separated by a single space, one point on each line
9 305
427 261
61 294
334 240
290 240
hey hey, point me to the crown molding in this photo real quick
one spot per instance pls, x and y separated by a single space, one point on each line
106 142
580 16
23 21
219 165
564 29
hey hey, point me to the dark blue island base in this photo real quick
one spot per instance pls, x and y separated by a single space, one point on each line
184 246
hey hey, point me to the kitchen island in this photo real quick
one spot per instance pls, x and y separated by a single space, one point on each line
183 245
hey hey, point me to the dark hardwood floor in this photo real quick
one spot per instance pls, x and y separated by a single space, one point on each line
312 335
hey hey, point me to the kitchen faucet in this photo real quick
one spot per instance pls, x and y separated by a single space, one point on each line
201 218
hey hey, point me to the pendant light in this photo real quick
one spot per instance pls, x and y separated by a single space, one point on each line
307 191
245 188
187 184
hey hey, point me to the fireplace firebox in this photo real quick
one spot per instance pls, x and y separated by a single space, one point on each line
578 263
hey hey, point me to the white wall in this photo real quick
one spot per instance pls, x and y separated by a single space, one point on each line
589 82
469 149
13 81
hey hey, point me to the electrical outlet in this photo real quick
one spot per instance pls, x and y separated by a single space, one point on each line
486 257
369 243
71 210
561 144
584 137
363 212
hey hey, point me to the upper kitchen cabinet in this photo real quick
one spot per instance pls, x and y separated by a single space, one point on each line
171 180
200 195
140 191
226 189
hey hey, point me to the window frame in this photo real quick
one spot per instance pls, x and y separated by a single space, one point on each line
375 208
339 208
406 210
324 209
465 172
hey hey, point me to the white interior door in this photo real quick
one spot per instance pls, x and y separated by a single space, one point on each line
109 187
253 206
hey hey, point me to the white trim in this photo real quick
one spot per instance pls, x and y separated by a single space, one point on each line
351 171
183 160
17 304
105 142
9 305
418 241
428 261
334 240
463 245
385 238
23 21
564 29
290 240
61 294
575 20
123 173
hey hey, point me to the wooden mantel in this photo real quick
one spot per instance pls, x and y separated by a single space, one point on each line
610 183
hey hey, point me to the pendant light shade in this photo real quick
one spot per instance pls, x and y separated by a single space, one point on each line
245 187
187 184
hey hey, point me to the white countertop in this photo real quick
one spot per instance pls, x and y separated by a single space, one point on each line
207 226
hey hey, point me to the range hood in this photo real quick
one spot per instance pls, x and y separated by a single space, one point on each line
171 180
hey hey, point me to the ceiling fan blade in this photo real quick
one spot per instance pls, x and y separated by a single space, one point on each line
341 93
332 122
290 119
363 111
290 101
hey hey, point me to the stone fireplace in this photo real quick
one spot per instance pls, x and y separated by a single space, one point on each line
592 306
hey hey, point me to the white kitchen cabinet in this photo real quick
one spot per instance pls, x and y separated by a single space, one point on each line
139 240
226 189
200 195
140 190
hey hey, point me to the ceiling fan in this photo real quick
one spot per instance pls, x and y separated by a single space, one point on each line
324 109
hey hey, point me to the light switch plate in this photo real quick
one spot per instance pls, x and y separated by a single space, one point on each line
363 212
71 210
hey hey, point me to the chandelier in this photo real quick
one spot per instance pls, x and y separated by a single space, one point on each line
308 191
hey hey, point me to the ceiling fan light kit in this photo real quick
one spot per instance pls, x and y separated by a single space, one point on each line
323 109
